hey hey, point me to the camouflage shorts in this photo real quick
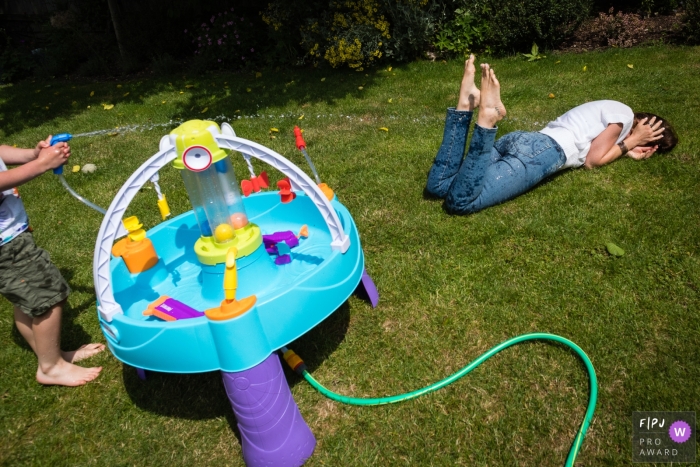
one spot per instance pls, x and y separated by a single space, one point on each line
28 278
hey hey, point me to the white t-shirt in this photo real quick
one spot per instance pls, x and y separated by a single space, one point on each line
575 130
13 217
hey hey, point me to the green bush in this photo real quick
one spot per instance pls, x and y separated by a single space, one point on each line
643 7
465 32
352 33
227 39
15 60
80 39
691 29
516 24
413 27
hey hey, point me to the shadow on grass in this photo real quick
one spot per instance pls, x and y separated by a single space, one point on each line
428 196
29 104
202 396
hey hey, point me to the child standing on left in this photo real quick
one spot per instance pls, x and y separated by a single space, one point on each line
28 278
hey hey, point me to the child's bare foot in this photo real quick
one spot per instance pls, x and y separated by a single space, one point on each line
469 94
67 374
492 109
85 351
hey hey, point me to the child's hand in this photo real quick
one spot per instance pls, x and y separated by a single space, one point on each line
642 152
41 145
647 131
54 156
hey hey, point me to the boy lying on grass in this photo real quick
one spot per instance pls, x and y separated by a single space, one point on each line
28 278
494 171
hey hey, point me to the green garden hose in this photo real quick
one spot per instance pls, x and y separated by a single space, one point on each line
298 365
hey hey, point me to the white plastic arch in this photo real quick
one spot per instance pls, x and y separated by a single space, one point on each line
112 228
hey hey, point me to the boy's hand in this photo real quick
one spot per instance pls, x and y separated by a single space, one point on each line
642 152
51 157
41 145
646 131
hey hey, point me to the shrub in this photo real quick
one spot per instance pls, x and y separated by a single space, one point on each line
691 29
80 39
465 32
15 59
226 39
609 29
516 24
643 7
413 25
353 33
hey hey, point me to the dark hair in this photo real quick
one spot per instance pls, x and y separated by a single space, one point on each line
669 137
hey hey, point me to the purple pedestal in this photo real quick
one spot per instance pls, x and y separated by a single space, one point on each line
273 432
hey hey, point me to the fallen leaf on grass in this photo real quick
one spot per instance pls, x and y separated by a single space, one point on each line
629 65
585 67
108 106
92 93
189 85
384 129
126 94
551 96
204 110
614 249
302 117
274 130
76 168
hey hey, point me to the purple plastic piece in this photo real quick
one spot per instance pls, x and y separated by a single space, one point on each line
177 309
141 373
369 288
273 432
286 236
283 259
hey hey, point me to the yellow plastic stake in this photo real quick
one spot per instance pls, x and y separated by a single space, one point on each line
163 207
230 274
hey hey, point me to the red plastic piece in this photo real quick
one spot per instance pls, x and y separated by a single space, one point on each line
255 184
286 193
246 187
300 139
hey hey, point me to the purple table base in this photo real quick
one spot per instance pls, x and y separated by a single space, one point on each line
273 432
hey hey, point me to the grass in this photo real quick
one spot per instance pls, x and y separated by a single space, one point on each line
451 286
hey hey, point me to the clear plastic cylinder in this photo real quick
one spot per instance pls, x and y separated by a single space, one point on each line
216 200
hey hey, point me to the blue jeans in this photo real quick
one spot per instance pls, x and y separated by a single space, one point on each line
493 171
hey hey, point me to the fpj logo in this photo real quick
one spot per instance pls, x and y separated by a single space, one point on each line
663 437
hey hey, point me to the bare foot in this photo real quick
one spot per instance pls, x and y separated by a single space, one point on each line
67 374
492 109
85 351
469 94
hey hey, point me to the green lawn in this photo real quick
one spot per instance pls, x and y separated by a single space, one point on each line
451 287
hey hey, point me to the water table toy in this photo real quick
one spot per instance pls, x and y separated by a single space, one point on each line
224 286
202 292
